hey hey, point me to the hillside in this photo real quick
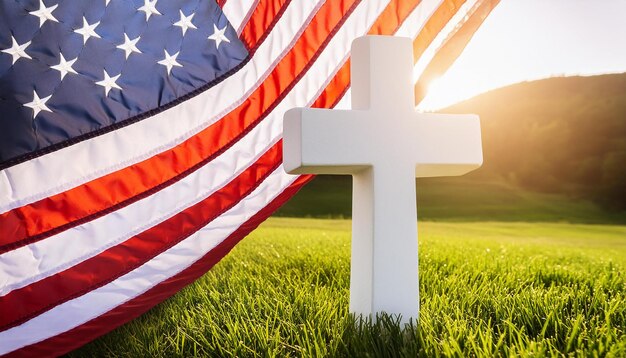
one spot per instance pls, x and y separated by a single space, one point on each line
555 150
560 135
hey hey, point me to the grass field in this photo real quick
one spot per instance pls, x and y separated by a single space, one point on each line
488 288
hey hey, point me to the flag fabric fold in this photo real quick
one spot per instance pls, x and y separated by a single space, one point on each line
140 140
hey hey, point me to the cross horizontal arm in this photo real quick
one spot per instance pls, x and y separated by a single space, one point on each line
321 141
445 144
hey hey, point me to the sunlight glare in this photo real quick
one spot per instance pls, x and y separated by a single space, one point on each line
445 91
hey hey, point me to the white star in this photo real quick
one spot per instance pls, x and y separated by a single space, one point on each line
109 82
44 13
38 104
17 51
87 30
185 22
129 46
218 36
65 67
106 3
149 7
170 61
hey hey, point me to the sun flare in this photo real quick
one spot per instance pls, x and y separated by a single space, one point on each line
445 91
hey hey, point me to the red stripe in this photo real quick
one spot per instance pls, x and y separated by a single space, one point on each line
36 221
246 18
22 304
392 17
434 25
133 308
263 18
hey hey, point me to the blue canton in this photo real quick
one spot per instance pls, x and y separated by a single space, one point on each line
72 69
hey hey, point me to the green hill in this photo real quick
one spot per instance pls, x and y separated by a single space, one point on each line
554 149
559 135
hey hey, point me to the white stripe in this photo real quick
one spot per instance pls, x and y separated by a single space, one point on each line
77 244
169 263
237 10
93 158
439 40
248 16
418 18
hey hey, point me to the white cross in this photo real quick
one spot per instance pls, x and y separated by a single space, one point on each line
384 144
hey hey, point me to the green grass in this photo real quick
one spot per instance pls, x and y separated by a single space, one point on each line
491 288
455 199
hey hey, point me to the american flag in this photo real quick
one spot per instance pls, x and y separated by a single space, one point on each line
140 140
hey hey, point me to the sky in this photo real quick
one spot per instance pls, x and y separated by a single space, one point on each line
524 40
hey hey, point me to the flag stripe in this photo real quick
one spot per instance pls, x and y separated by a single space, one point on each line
455 21
453 46
31 223
434 25
238 12
22 304
413 26
263 15
249 14
392 17
21 184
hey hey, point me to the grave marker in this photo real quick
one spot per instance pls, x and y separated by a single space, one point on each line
384 143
